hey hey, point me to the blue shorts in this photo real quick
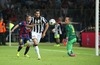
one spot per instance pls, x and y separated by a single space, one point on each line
23 40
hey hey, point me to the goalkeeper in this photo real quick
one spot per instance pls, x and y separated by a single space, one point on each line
70 36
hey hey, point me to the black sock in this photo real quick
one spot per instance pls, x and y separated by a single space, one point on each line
57 42
19 48
26 50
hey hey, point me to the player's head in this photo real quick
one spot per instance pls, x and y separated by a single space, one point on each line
37 13
28 18
67 20
1 19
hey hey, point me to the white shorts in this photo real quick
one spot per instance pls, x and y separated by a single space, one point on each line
31 42
36 36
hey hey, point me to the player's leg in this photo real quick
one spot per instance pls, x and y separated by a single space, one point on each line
36 48
69 47
58 41
26 41
36 39
73 41
57 37
20 45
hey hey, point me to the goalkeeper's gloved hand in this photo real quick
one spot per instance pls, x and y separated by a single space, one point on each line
65 40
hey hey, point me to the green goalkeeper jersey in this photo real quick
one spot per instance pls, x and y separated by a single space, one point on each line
70 32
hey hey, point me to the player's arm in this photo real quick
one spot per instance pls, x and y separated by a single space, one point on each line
63 23
67 33
30 25
53 30
45 30
15 28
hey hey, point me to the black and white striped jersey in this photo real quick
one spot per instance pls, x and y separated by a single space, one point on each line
39 24
57 29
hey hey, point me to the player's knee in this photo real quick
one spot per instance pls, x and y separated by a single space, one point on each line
21 46
35 41
28 46
35 44
27 43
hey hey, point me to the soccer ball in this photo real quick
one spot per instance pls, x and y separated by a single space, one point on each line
52 21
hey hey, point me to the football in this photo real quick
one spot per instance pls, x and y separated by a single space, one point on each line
52 21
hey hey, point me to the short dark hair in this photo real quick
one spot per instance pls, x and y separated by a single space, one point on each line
27 16
69 18
37 10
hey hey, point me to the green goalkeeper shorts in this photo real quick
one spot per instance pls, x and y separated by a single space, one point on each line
72 41
57 36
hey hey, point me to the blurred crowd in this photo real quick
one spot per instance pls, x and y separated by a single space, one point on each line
81 11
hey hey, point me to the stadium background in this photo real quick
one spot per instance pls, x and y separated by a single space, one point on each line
81 12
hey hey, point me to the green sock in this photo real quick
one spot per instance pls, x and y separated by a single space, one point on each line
69 46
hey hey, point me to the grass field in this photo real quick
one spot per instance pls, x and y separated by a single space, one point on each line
50 56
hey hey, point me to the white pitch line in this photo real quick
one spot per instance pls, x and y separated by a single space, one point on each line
66 52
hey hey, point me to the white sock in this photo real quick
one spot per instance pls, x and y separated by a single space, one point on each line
37 51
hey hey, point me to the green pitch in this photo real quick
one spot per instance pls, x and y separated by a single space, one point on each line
50 56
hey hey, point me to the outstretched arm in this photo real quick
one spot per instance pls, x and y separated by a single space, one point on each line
30 26
14 28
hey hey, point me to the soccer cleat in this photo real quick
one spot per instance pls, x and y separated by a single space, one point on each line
18 54
57 45
72 55
39 58
27 55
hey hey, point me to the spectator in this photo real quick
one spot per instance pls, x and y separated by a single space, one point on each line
2 32
58 4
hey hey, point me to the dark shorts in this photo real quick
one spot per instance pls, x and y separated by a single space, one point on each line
23 40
